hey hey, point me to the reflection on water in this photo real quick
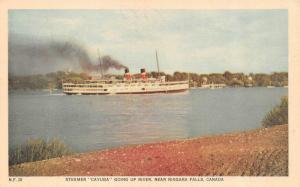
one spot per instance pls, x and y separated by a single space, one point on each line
98 122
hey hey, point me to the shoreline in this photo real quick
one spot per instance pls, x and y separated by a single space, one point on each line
259 152
59 89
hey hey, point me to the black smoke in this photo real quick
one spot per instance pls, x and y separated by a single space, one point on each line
36 56
108 62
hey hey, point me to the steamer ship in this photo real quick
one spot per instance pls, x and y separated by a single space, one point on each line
129 85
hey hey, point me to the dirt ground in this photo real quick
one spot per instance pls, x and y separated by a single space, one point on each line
261 152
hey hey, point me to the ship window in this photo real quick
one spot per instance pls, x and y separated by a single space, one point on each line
143 88
105 89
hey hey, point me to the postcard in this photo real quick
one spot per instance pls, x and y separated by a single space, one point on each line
153 93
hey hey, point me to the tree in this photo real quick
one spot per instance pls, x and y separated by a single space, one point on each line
227 75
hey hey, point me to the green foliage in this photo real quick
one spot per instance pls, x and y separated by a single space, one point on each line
278 115
54 80
50 80
38 149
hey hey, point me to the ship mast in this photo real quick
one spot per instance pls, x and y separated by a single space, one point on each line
100 64
157 63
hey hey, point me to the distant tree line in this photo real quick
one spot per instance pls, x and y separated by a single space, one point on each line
48 81
54 80
277 79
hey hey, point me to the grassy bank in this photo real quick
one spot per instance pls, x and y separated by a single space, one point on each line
38 149
278 115
261 152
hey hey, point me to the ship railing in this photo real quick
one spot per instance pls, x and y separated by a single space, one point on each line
120 81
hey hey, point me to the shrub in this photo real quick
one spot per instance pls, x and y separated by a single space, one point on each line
278 115
38 149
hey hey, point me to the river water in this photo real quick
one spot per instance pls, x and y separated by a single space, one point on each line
87 123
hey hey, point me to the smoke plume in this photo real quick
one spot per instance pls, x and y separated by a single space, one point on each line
33 56
104 64
108 62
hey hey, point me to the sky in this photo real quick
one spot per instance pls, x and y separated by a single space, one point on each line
200 41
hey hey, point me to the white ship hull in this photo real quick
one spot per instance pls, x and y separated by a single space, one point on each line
102 88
